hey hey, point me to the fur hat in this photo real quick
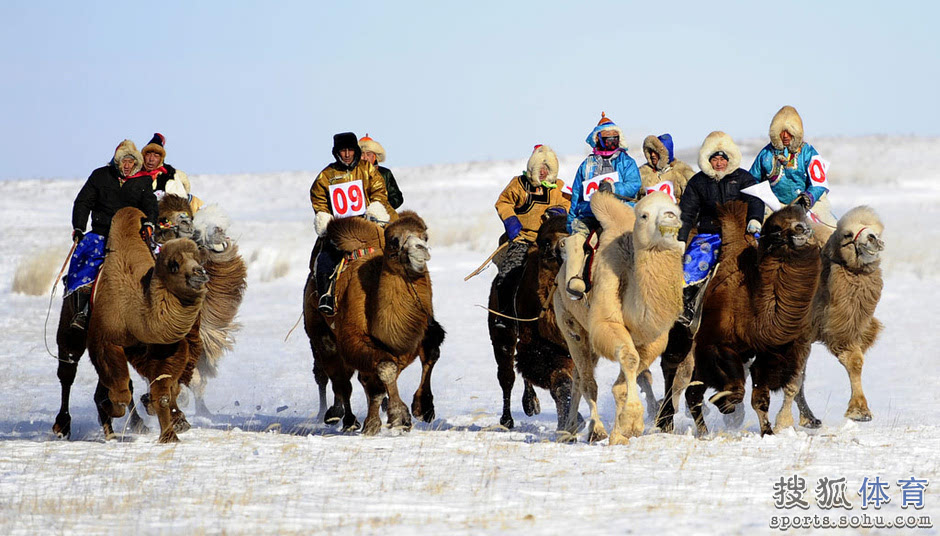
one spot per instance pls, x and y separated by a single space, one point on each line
124 149
346 140
368 144
787 119
542 155
155 145
605 124
661 145
714 143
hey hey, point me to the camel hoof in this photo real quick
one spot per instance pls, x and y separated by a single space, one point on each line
597 434
506 420
108 432
180 424
810 422
619 439
63 426
169 436
426 416
423 408
766 430
371 427
352 427
530 404
858 414
334 414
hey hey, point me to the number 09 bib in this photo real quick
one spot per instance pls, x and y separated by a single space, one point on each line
347 199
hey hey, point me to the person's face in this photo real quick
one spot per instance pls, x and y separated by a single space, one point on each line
609 139
346 155
785 137
654 158
718 162
151 160
127 165
369 157
543 173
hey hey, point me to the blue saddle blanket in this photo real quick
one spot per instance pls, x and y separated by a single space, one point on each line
700 256
87 258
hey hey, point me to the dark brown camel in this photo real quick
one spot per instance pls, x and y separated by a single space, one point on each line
757 304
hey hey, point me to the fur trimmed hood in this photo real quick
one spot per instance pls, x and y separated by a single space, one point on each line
661 145
605 124
787 119
368 144
542 155
714 142
124 149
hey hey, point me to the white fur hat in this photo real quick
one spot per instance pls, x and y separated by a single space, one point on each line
368 144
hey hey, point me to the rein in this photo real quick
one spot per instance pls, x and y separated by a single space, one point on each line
548 297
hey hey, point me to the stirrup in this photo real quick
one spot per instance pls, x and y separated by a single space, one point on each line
79 321
326 305
575 288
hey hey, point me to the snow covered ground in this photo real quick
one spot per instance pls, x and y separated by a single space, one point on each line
261 465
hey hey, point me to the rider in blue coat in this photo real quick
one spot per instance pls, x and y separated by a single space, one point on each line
609 156
785 163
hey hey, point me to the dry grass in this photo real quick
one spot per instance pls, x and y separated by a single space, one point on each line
36 273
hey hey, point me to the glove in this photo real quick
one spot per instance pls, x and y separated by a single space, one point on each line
753 227
77 235
805 200
605 186
320 222
513 227
556 211
377 213
146 233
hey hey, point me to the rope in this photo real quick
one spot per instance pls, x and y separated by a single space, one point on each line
45 336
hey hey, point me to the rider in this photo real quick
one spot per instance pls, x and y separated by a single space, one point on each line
525 201
373 152
350 186
786 162
608 162
107 190
720 181
166 178
661 165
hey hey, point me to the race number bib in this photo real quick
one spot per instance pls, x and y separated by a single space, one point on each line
665 187
347 199
817 170
591 185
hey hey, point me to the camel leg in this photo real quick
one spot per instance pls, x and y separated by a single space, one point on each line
398 414
63 421
629 422
694 397
180 423
645 383
530 400
134 420
162 399
103 404
111 364
504 346
798 353
575 420
675 375
561 394
853 360
596 430
807 418
422 405
760 401
342 396
375 392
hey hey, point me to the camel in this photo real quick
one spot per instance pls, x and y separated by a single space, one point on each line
142 301
844 305
384 320
756 305
635 300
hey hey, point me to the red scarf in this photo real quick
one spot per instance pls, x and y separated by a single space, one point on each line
152 174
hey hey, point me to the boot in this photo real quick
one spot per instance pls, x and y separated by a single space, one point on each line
574 266
688 305
80 320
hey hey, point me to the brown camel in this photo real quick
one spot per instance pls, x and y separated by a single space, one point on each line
636 298
844 306
756 305
139 301
384 319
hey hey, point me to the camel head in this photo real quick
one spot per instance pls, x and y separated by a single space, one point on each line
550 241
857 240
657 223
406 244
787 228
174 219
209 229
179 270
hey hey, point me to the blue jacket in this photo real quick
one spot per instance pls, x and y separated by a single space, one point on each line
627 186
794 179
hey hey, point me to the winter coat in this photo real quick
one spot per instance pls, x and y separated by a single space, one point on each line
709 188
335 173
106 191
395 198
627 186
787 167
528 202
667 169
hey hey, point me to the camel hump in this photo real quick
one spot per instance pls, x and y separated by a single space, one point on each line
350 234
733 218
613 214
126 224
408 219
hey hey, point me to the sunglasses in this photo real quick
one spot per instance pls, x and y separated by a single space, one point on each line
610 141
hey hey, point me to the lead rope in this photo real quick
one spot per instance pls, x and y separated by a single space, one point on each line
545 301
45 336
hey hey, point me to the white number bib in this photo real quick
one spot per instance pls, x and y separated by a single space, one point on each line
817 170
665 187
591 185
347 199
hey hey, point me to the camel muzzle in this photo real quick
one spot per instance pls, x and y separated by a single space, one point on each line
198 278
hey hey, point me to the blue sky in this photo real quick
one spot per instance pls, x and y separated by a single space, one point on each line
254 87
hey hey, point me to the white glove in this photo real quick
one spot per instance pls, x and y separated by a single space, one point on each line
376 211
320 222
753 227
